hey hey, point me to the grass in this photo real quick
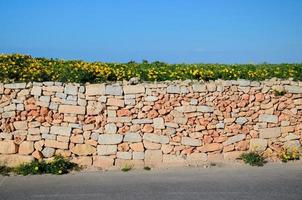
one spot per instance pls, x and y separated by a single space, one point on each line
126 168
253 159
147 168
4 170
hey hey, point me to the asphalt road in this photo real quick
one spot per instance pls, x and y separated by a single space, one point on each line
274 182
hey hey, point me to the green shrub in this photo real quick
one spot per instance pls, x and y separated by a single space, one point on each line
253 159
147 168
58 165
24 68
279 92
4 170
288 154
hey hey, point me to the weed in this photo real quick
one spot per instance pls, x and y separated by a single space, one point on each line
279 92
4 170
253 158
288 154
126 168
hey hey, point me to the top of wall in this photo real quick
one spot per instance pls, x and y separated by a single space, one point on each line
171 87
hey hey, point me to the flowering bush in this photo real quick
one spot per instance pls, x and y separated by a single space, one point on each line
58 166
24 68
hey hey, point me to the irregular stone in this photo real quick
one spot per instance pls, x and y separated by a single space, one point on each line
137 147
174 160
173 89
37 155
83 149
1 88
190 141
132 137
233 155
156 138
82 160
119 120
211 87
243 83
212 147
186 109
123 112
134 89
33 131
287 129
153 157
60 130
71 89
104 150
103 162
171 124
70 109
26 148
48 152
8 114
116 90
180 120
147 128
270 133
298 101
20 125
292 144
134 164
241 120
257 144
292 136
206 109
58 89
15 85
151 145
197 158
115 102
142 121
110 139
151 98
166 148
15 160
77 139
56 144
268 118
159 123
199 88
293 89
110 128
138 155
36 91
234 139
95 89
8 147
220 125
124 155
94 108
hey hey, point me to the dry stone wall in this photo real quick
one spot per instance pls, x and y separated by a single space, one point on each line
152 124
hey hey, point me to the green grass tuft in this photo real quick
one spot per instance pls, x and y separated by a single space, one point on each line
253 159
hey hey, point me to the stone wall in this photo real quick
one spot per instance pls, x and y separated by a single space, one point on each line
152 124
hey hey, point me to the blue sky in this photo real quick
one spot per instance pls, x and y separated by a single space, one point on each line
174 31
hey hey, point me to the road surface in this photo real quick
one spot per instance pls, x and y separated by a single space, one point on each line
271 182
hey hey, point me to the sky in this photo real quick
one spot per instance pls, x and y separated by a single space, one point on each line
173 31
